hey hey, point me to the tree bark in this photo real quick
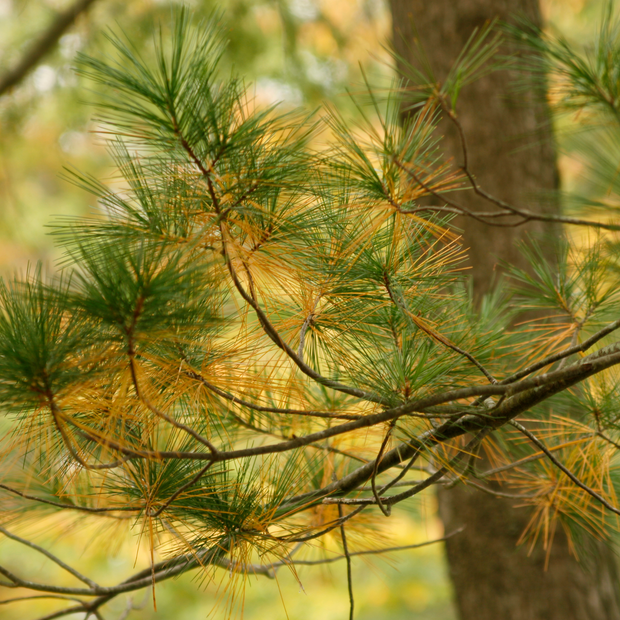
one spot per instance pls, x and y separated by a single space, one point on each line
493 578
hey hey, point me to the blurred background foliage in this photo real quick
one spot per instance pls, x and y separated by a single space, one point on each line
300 52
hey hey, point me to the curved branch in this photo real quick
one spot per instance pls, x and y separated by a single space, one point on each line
433 334
264 321
509 210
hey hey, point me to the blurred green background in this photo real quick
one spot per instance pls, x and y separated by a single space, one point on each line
300 52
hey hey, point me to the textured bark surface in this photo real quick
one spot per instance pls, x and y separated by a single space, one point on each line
510 147
493 578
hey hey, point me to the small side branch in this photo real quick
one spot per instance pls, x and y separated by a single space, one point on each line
181 489
347 555
50 556
190 431
507 210
378 551
49 502
268 569
285 411
560 466
400 303
332 526
579 348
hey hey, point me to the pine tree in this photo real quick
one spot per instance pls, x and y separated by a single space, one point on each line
254 342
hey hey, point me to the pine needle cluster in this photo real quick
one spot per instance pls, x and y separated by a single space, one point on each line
255 339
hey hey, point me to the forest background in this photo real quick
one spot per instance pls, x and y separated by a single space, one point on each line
300 52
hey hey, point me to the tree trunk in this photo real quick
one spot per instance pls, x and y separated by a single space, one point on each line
492 578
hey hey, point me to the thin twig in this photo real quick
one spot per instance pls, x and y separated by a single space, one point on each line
67 506
182 488
57 417
284 411
495 493
608 440
50 556
395 481
436 336
373 481
190 431
528 459
580 348
560 466
6 601
128 609
268 569
527 215
345 549
378 551
483 217
332 526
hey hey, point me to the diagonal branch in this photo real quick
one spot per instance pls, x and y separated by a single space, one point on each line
49 502
520 397
164 416
244 403
50 556
579 348
43 45
267 569
182 488
433 334
375 551
560 466
275 337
